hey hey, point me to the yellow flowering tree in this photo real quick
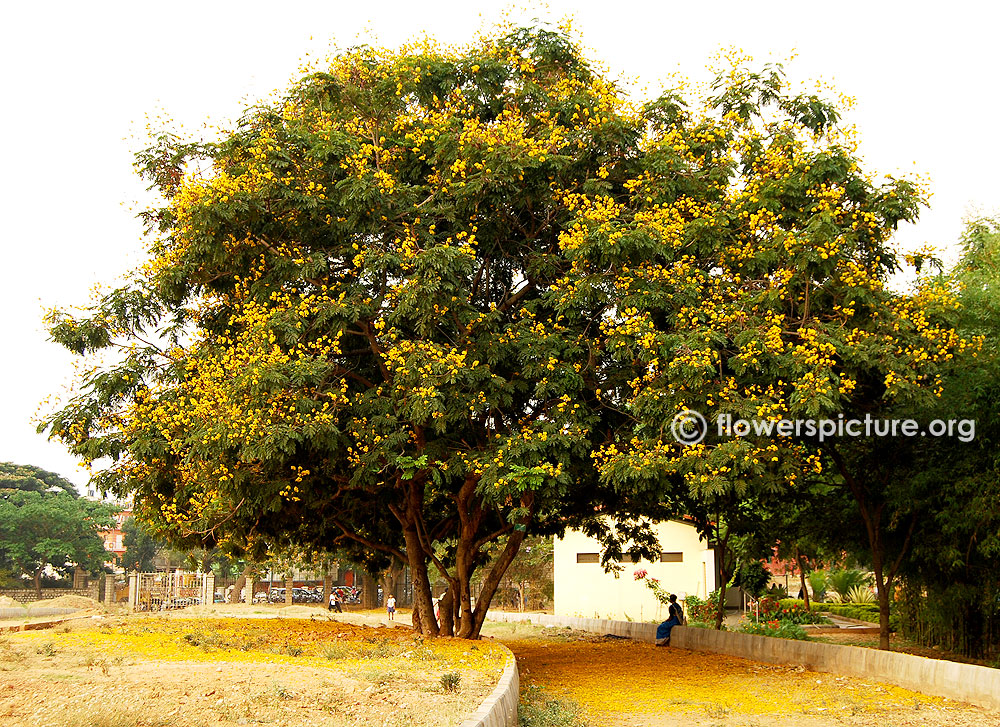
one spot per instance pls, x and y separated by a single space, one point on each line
437 299
349 334
747 261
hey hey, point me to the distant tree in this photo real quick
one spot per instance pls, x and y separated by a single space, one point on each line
532 570
952 579
45 523
29 478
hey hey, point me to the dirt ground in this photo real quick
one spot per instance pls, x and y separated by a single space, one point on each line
618 683
147 671
276 667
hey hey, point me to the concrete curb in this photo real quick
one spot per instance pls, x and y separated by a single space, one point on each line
39 625
500 708
979 685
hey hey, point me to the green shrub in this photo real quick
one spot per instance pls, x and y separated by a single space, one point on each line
777 590
537 709
860 594
842 581
752 577
797 614
450 681
778 629
337 651
698 609
818 581
860 611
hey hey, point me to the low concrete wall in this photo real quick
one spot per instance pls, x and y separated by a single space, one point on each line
979 685
635 630
27 595
500 708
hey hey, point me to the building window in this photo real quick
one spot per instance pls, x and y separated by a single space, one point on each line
588 558
671 557
626 558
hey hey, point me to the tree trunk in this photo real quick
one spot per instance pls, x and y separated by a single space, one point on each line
369 591
446 607
871 514
883 598
800 559
423 608
470 513
720 613
472 623
415 619
389 578
241 583
289 582
38 584
327 585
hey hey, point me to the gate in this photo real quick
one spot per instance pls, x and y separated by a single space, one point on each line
167 591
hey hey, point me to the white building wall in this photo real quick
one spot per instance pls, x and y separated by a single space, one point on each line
584 589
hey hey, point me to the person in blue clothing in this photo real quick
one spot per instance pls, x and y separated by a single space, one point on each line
675 617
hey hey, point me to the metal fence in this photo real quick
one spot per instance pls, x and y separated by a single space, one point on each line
168 591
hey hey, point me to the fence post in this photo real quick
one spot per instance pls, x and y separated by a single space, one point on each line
133 591
208 591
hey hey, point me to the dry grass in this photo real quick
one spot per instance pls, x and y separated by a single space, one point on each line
144 671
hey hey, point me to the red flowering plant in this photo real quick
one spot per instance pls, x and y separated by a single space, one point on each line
772 610
653 584
769 608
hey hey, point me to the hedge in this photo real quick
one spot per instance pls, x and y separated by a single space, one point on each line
860 611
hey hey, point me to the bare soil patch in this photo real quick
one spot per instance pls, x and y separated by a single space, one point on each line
80 602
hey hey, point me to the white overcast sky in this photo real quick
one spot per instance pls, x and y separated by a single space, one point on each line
81 79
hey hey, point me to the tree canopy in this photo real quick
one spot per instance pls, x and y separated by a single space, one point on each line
437 298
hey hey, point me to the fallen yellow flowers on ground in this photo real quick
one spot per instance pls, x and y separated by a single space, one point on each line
613 680
275 640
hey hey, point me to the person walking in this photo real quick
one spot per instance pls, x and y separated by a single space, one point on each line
335 602
390 607
675 617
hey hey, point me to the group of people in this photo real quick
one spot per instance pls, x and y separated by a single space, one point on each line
337 604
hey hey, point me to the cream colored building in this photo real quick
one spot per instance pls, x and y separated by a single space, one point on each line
582 588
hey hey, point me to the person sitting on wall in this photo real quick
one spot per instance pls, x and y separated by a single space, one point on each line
675 617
